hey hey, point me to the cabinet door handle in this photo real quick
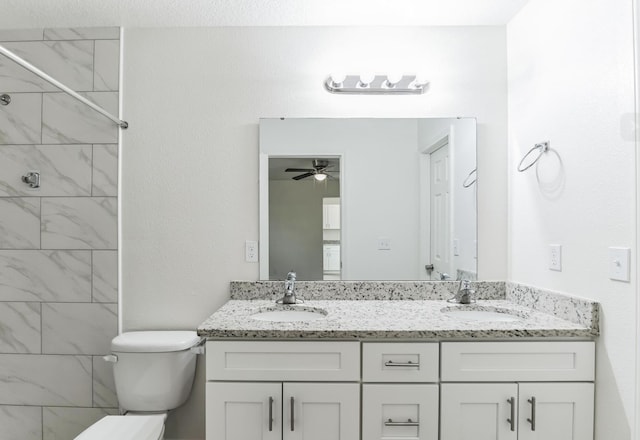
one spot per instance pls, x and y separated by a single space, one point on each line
409 422
532 420
270 413
512 420
292 413
402 364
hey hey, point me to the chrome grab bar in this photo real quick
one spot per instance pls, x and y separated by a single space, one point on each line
409 422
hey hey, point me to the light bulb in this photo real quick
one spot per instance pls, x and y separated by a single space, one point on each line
366 79
337 79
420 81
392 80
320 177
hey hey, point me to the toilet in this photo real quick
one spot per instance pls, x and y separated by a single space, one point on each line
153 373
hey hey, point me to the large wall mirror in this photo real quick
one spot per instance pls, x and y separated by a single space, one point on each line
368 199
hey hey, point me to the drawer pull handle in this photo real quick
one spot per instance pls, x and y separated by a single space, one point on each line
292 413
402 364
512 420
270 413
532 420
409 422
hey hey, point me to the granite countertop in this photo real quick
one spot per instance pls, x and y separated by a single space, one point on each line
389 319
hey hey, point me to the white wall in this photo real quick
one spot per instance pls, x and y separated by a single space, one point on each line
571 82
193 98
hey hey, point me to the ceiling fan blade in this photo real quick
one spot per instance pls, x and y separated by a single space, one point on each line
303 176
298 170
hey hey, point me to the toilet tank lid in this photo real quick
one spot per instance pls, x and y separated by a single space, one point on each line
154 341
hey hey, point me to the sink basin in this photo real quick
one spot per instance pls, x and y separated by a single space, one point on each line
482 315
290 315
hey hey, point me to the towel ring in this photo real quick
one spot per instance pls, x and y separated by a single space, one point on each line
468 182
543 147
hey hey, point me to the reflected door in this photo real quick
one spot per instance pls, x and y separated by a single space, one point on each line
440 213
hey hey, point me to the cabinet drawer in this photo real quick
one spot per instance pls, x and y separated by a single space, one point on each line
517 361
400 412
400 362
290 361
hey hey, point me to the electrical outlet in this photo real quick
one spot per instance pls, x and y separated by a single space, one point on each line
384 244
251 251
456 247
555 257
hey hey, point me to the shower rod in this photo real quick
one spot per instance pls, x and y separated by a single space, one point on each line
30 67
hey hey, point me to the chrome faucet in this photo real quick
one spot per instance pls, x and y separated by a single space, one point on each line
289 290
465 294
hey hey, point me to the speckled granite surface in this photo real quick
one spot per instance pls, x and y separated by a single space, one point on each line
371 319
574 309
365 290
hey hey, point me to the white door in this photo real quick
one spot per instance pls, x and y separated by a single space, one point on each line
321 411
556 411
485 411
400 412
243 411
439 200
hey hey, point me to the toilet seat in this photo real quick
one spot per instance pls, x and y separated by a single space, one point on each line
130 427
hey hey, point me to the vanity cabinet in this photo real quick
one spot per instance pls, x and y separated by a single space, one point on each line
312 390
517 390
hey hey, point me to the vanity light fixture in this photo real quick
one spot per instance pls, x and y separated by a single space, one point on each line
377 84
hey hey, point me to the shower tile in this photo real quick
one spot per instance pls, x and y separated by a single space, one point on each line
65 170
66 120
20 121
107 65
78 328
20 422
104 387
105 170
61 276
105 276
21 34
66 423
79 223
88 33
29 379
70 62
19 327
19 223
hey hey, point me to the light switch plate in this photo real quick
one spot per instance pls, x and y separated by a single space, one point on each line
456 247
619 263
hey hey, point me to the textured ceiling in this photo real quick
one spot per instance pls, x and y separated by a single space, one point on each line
17 14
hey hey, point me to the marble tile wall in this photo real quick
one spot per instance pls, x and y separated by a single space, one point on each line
58 243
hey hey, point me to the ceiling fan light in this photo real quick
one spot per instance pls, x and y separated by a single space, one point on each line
320 176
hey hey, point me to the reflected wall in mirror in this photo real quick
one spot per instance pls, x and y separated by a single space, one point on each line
403 189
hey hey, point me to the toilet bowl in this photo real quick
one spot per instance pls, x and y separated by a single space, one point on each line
153 372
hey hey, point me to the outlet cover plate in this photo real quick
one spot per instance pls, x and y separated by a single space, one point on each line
555 257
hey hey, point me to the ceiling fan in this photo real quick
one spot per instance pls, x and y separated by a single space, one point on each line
319 170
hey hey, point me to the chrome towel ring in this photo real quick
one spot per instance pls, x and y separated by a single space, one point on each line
543 147
471 179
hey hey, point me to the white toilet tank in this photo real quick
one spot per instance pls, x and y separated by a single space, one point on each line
154 370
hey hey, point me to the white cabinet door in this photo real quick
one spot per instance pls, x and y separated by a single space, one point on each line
400 412
321 411
242 410
556 411
331 260
478 411
331 217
